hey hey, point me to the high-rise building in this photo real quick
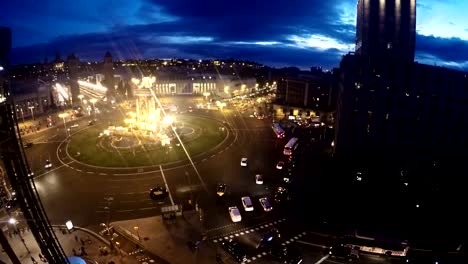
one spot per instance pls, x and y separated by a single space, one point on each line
386 29
393 107
5 46
108 71
73 68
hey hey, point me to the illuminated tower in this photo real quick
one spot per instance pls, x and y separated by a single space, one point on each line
73 67
108 70
386 29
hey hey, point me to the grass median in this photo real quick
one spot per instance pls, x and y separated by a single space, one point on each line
206 135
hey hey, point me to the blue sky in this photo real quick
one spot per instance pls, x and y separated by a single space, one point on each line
278 33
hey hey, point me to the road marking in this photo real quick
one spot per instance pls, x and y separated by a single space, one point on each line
311 244
322 259
102 173
148 208
165 183
54 169
78 170
90 172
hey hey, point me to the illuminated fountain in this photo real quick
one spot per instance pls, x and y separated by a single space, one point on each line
147 122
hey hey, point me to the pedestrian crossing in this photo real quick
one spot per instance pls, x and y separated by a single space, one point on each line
245 231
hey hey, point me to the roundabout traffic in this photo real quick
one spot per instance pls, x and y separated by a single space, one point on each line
190 135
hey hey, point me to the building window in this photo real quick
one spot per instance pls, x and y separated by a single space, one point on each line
389 45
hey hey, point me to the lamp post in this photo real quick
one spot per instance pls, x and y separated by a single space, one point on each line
81 98
93 101
32 111
206 94
63 115
138 233
22 114
13 222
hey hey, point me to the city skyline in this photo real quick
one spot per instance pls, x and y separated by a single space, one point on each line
303 33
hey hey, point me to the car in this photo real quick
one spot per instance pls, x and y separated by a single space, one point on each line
91 122
280 165
48 164
221 189
243 162
247 203
28 145
237 250
258 179
266 204
235 214
74 125
344 252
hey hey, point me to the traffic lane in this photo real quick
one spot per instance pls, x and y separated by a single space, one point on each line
38 154
69 195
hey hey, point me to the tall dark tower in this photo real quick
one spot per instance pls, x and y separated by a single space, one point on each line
386 29
108 69
5 46
73 68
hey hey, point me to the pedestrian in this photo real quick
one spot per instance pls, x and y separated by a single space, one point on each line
34 260
76 238
74 252
82 242
83 251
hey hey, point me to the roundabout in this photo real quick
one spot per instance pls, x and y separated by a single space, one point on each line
190 135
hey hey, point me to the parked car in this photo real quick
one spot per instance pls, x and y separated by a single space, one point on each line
247 203
221 189
266 204
235 214
280 165
243 162
259 179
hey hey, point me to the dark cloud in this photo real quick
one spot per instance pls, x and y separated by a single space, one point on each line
442 50
225 29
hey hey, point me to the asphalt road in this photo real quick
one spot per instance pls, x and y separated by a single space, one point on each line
89 196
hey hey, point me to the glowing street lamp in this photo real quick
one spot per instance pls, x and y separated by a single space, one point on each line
81 98
226 89
206 94
220 105
32 111
63 115
168 120
14 222
93 101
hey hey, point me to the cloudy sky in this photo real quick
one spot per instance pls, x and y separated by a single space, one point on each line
278 33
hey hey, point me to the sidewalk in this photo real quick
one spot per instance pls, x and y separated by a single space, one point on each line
69 241
168 238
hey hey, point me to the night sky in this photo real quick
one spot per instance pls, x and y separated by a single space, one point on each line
278 33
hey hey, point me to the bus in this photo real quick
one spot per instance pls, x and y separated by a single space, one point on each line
278 130
398 249
290 146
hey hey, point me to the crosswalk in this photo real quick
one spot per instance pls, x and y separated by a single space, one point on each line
245 231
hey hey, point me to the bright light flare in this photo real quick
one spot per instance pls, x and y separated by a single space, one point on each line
168 120
12 221
61 91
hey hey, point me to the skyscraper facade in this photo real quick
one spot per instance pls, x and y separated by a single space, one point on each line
386 29
5 46
390 106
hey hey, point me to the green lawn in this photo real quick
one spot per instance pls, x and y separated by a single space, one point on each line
86 142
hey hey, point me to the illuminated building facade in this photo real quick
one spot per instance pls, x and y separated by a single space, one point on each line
386 29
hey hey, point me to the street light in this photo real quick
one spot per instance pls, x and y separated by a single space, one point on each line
32 111
14 222
63 115
138 233
206 94
81 98
93 101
